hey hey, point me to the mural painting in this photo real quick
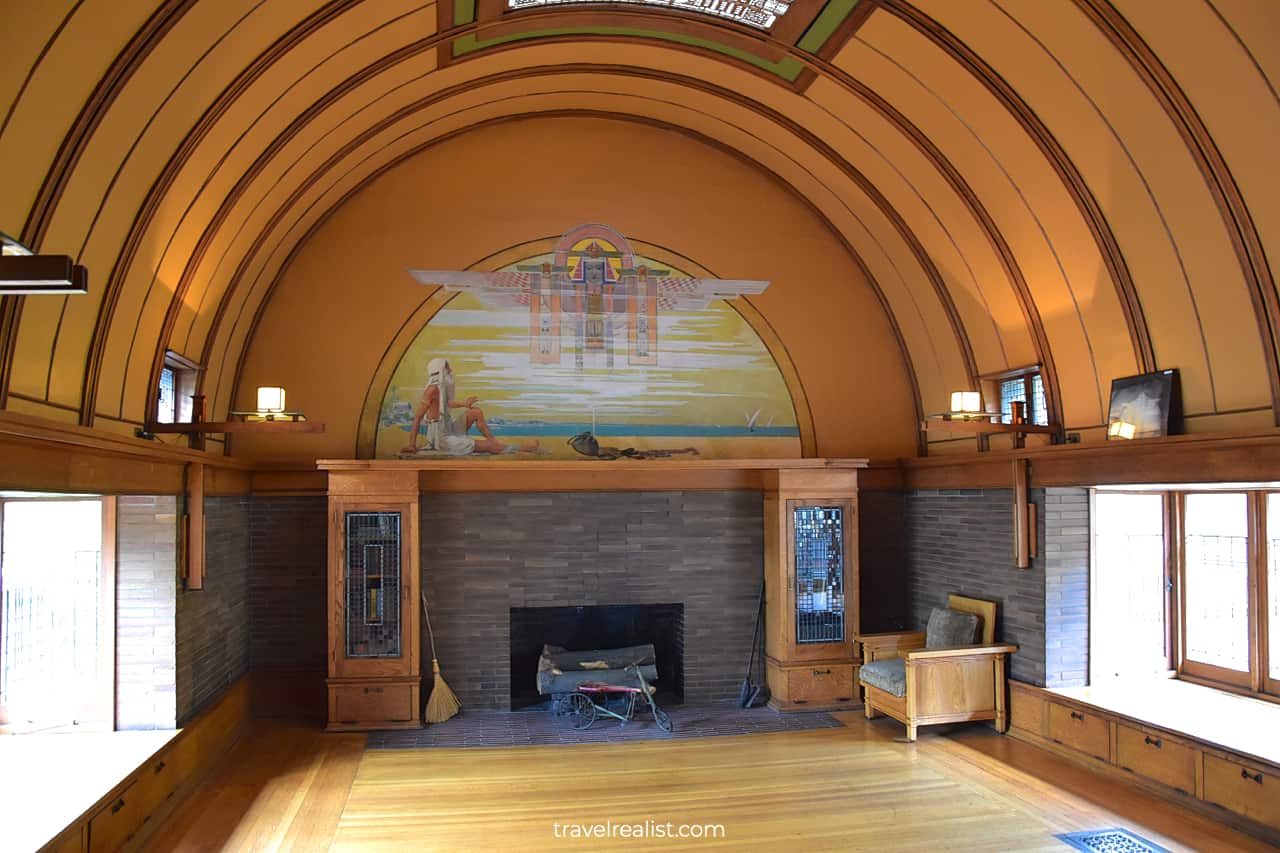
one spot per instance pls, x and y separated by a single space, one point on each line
590 351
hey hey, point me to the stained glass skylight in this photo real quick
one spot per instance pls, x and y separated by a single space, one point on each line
760 14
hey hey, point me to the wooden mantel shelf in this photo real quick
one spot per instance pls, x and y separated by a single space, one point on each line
500 464
532 475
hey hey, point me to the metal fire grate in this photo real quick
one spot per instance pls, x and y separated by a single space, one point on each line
819 555
373 584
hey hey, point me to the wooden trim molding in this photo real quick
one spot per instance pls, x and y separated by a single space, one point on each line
1056 156
155 196
1182 459
373 176
1200 144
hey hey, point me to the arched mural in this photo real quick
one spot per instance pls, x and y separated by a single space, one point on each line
588 351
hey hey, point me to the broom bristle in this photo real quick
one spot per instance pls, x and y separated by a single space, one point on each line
442 704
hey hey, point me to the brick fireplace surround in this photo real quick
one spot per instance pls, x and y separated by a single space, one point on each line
485 553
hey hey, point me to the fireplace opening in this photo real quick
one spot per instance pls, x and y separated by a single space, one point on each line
606 626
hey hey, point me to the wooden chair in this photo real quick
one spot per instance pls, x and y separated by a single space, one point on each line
911 679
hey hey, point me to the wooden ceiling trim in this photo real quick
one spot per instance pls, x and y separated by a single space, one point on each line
1072 180
245 181
855 258
11 306
1150 192
873 193
1213 167
105 196
439 96
155 196
226 205
73 145
946 168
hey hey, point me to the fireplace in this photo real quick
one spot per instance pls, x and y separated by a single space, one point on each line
597 627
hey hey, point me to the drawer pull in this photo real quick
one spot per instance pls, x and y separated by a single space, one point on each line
160 766
373 690
1245 774
1075 715
822 672
118 806
1156 743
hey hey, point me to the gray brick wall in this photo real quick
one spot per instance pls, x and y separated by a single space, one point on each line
146 587
213 623
885 582
483 554
286 582
1066 610
961 541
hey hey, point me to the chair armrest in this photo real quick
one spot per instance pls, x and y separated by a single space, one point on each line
962 652
878 646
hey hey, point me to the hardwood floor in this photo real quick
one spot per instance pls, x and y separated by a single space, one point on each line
856 788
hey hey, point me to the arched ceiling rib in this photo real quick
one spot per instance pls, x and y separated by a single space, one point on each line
1061 183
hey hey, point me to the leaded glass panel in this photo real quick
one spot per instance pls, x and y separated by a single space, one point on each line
373 584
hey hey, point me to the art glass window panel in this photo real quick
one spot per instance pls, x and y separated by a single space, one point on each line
372 584
819 573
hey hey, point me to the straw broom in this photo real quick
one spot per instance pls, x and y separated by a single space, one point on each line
442 704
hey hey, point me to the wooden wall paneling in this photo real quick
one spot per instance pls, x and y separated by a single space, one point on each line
193 557
1021 545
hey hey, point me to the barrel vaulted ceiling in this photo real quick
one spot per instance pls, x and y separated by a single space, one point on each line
1087 185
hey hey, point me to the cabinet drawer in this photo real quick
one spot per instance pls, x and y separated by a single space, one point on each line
1243 789
115 823
157 781
1156 757
358 703
1079 730
821 684
1026 712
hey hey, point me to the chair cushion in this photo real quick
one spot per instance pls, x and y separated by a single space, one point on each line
949 628
890 675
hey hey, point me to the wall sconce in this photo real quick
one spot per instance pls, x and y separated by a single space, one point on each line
270 400
270 416
966 403
1121 429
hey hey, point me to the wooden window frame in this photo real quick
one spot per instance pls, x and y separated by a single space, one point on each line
1256 680
990 384
185 375
100 713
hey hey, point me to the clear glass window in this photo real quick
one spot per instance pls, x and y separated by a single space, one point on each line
1127 626
1216 549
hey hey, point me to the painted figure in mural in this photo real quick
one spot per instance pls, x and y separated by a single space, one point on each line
444 433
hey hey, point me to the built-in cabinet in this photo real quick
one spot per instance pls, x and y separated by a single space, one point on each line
1195 773
124 819
375 677
811 588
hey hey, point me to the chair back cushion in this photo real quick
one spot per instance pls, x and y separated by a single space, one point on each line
949 628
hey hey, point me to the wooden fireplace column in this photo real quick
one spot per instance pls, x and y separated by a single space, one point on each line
805 673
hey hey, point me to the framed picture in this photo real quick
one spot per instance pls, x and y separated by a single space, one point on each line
1145 406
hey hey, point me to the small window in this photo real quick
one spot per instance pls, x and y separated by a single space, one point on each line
177 385
166 411
1026 388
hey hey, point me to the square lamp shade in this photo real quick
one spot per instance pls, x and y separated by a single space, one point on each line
966 401
270 399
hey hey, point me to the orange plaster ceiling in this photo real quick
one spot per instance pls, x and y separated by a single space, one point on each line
940 190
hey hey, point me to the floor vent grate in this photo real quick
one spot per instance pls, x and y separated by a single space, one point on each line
1110 841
